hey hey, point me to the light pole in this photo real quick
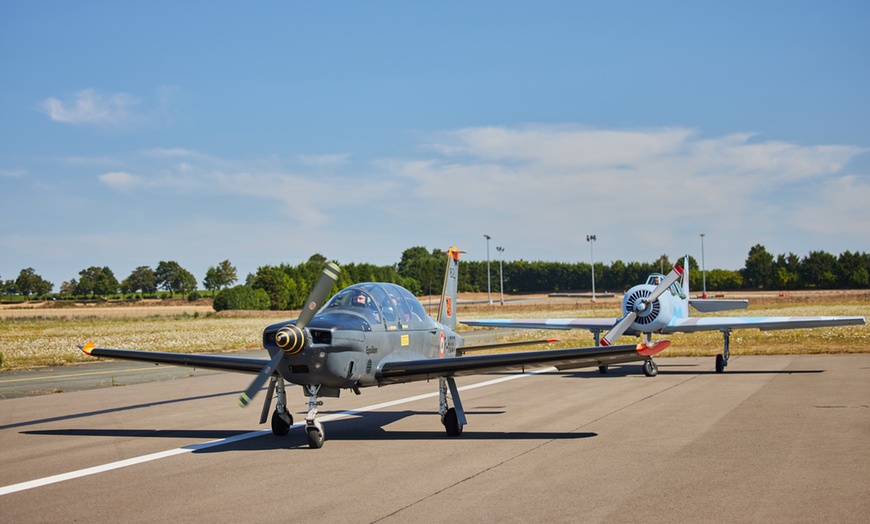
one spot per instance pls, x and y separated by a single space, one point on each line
488 294
591 239
703 269
500 273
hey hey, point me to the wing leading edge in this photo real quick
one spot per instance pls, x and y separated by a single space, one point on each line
216 362
424 369
689 325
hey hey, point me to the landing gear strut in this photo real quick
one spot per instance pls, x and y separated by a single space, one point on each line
452 418
313 427
722 359
281 419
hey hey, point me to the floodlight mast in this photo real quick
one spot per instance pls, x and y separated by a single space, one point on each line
500 273
591 239
703 269
488 293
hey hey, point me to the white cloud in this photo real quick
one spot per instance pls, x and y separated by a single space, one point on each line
120 180
13 173
539 188
324 160
90 107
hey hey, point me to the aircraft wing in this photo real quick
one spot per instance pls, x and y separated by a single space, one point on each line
689 325
217 362
592 324
394 372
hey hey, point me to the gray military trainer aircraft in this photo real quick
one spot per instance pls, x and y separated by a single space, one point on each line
373 334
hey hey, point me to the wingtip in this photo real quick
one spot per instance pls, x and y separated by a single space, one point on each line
87 348
649 349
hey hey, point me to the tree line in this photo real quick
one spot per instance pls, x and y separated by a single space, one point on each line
421 271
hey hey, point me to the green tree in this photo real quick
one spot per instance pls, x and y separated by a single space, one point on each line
786 272
241 298
758 270
96 281
172 277
141 279
424 268
217 278
854 270
68 289
819 269
27 281
277 285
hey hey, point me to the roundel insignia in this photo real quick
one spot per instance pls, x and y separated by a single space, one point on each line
441 345
312 305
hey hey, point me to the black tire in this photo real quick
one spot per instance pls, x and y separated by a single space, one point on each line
602 370
451 423
279 427
315 438
720 363
650 368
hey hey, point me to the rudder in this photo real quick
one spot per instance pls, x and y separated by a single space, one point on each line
447 310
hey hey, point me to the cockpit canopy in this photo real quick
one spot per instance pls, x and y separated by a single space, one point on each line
383 303
656 278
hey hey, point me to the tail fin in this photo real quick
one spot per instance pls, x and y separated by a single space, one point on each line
447 311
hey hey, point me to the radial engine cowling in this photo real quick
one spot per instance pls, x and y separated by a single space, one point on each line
651 316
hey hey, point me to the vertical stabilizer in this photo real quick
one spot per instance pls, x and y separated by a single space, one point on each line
447 311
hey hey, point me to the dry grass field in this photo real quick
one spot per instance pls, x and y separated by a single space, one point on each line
40 334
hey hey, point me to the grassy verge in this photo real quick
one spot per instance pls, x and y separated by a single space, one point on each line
48 340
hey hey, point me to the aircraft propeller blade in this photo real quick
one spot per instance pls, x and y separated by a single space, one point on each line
623 325
318 295
618 329
315 299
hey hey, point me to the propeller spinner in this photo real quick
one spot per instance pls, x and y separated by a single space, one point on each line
291 338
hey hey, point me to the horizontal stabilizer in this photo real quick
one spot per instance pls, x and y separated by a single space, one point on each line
711 305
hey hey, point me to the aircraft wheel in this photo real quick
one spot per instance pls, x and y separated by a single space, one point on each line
602 370
280 428
720 363
650 368
315 438
451 423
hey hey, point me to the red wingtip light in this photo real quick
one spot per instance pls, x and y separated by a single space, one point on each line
649 349
604 342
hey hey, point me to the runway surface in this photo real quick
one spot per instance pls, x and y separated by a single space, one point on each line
781 438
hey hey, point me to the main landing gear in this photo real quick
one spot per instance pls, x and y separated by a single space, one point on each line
452 418
282 420
722 359
650 368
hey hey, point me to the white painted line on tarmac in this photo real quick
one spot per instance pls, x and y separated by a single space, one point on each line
54 479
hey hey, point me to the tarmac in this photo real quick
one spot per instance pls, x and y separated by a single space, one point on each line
774 438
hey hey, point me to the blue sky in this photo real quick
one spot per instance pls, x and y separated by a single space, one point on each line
265 132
